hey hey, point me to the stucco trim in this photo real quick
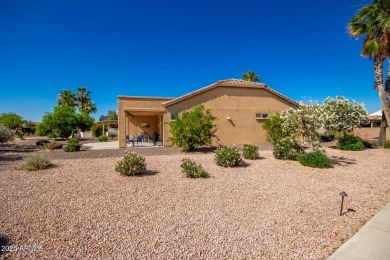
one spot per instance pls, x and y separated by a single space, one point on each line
229 83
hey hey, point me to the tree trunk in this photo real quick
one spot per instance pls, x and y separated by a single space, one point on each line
382 132
378 73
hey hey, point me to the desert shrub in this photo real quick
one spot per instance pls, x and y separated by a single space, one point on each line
327 136
20 135
52 135
273 126
193 169
97 129
350 143
103 138
193 128
228 157
315 159
131 164
35 162
53 146
73 145
340 134
5 134
250 151
387 145
287 149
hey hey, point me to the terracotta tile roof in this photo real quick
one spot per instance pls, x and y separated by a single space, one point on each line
232 83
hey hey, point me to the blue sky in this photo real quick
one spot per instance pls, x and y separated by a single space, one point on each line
169 48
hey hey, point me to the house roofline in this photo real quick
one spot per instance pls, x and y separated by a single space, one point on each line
143 97
228 83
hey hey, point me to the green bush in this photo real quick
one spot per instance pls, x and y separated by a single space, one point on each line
35 162
20 135
73 145
228 157
327 136
315 159
5 134
250 151
273 126
53 146
193 169
103 138
131 164
350 143
193 129
97 129
52 135
287 149
387 145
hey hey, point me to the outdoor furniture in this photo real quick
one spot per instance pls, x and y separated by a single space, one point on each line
139 139
129 140
154 138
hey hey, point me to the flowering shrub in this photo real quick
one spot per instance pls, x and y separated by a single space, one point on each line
35 162
193 169
287 149
250 151
228 157
131 164
343 115
273 126
315 159
5 134
350 143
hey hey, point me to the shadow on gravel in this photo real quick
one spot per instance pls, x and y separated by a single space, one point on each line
148 173
11 148
3 242
7 158
341 160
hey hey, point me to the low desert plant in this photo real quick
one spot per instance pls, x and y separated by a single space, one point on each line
35 161
193 169
350 143
228 157
53 146
73 145
387 145
287 149
131 164
315 159
5 134
103 138
250 151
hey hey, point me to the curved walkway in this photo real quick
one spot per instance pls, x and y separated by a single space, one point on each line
372 241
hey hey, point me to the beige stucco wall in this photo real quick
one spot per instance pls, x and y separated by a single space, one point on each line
128 125
240 104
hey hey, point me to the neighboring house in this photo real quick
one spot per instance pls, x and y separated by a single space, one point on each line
240 107
375 118
371 130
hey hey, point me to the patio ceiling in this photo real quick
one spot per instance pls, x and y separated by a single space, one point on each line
144 111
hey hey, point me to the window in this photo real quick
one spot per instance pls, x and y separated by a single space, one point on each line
174 115
261 115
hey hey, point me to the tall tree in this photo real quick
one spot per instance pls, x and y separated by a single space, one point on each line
250 76
12 120
84 102
67 98
373 23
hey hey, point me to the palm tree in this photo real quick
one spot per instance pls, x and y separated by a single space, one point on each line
250 76
373 23
84 102
66 97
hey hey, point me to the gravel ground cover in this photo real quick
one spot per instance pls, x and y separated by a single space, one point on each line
271 209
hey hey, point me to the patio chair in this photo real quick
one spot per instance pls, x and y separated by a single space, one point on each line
139 139
129 141
154 138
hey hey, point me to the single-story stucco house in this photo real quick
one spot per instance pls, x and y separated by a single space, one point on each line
240 107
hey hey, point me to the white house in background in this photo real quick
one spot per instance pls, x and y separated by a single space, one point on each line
375 118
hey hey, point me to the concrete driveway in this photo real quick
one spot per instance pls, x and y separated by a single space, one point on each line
103 145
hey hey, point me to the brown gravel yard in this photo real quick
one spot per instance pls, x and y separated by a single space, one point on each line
271 209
